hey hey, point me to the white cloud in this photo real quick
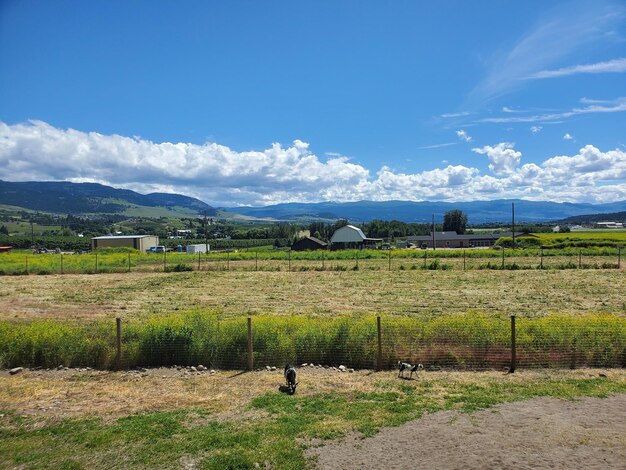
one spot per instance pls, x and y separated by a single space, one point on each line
464 135
222 176
611 66
535 129
454 115
568 136
557 35
616 106
438 146
502 158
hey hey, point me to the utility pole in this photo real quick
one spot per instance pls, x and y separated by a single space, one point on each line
513 221
433 232
206 236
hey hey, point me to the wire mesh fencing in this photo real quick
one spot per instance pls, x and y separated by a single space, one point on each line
467 341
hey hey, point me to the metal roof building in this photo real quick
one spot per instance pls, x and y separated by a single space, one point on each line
350 236
454 240
138 242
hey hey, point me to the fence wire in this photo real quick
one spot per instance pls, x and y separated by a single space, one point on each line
467 341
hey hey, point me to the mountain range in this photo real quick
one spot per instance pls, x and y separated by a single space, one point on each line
407 211
92 198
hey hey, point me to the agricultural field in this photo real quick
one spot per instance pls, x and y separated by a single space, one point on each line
571 340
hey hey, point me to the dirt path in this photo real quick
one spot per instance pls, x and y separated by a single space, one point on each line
541 433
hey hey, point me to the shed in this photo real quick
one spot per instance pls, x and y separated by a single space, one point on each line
350 236
138 242
309 243
199 248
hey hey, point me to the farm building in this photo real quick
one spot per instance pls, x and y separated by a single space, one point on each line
350 236
5 249
138 242
454 240
309 243
199 248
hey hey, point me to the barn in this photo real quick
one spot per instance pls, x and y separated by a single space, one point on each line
350 236
138 242
309 243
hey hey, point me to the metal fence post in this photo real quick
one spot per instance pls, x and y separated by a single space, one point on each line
118 355
356 256
128 262
323 261
580 259
61 263
256 260
96 263
379 359
389 260
164 260
250 356
502 257
289 256
463 260
26 264
228 260
513 347
198 261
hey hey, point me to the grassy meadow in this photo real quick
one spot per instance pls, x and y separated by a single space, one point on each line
225 421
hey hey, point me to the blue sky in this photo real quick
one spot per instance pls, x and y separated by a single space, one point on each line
262 102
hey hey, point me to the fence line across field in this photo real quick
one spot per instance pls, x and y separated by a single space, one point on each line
354 260
380 344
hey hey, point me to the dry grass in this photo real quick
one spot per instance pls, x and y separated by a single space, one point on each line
411 292
110 395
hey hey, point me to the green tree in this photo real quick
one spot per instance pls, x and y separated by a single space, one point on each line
454 220
4 230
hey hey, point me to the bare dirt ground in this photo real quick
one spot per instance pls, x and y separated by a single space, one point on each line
541 433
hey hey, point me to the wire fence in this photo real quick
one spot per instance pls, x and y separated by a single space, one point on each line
347 260
467 341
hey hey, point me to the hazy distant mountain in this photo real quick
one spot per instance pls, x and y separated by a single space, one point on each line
477 211
92 198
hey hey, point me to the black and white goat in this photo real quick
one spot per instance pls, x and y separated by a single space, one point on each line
402 366
290 377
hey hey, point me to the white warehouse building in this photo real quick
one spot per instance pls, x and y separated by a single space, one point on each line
350 236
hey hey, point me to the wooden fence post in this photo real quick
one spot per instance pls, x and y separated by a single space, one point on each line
164 260
289 256
356 256
463 260
128 262
250 356
389 260
27 264
513 347
61 263
323 261
580 259
502 257
379 359
118 355
256 260
198 261
96 263
228 260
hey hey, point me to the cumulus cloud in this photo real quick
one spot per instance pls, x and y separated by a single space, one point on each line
464 135
535 129
568 136
502 158
222 176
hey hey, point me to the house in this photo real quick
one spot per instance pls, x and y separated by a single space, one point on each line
138 242
452 239
350 236
309 243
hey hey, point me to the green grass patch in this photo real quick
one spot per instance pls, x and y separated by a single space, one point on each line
173 438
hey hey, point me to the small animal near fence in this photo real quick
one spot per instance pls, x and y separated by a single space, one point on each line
470 341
